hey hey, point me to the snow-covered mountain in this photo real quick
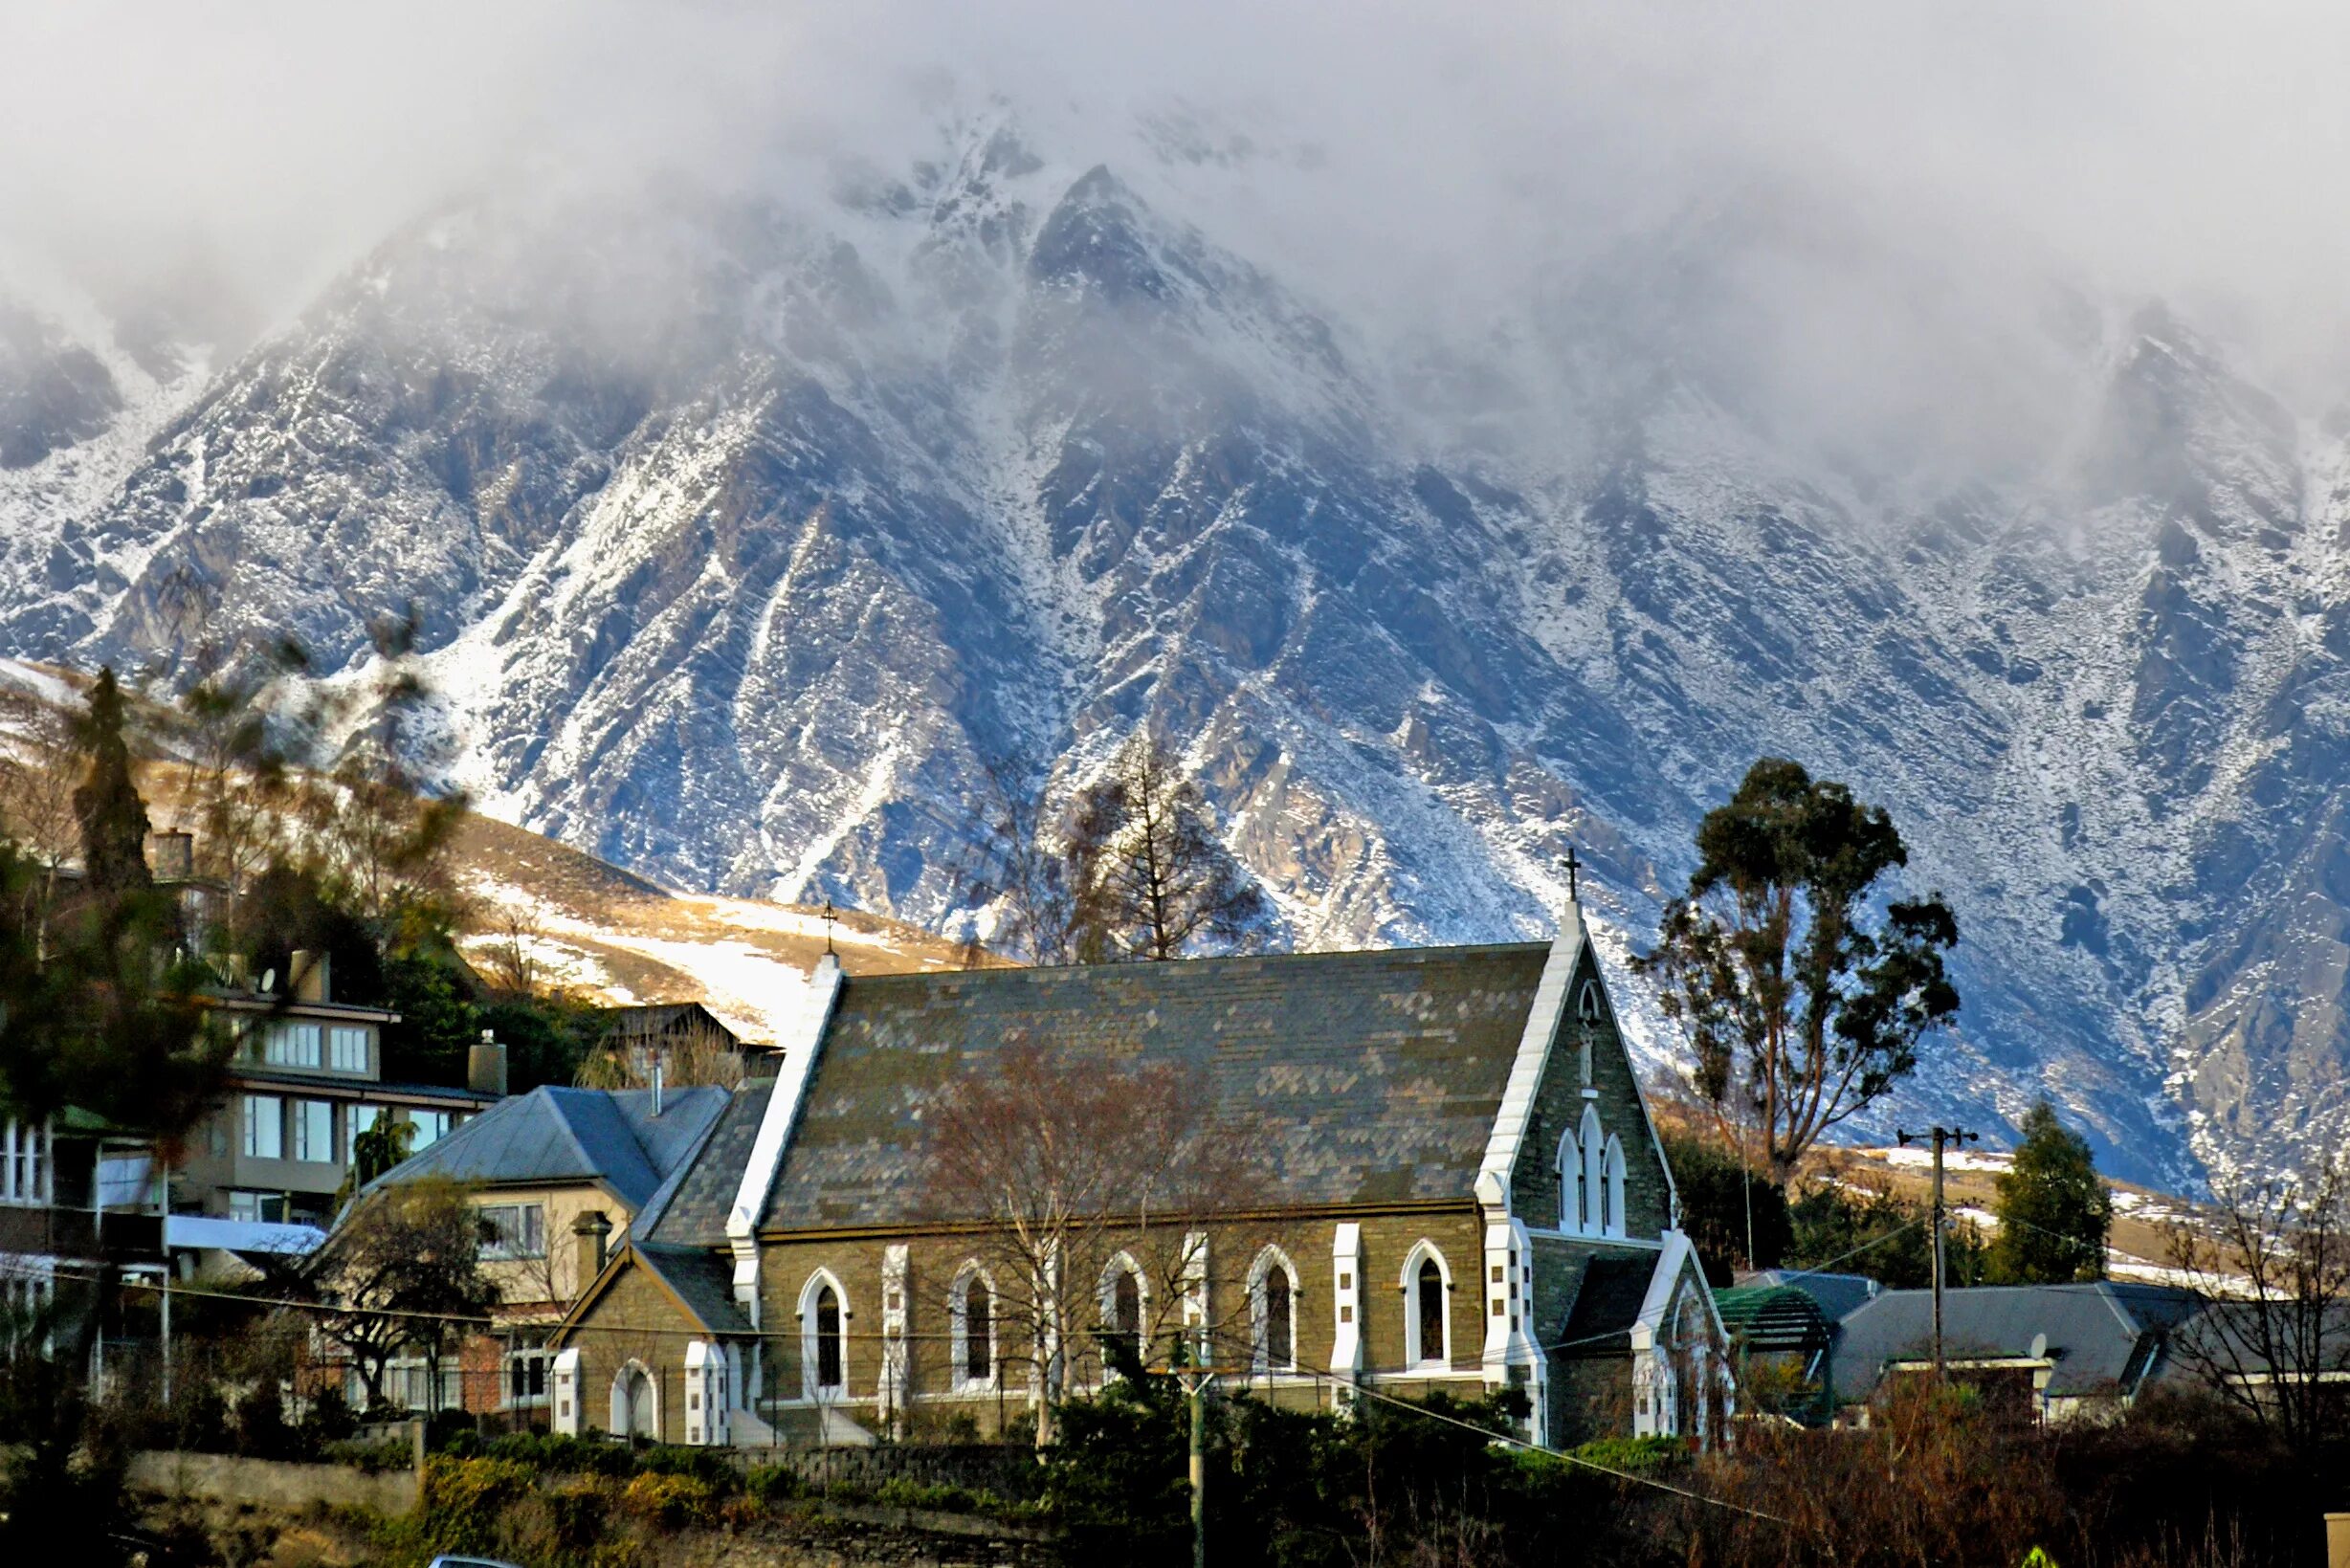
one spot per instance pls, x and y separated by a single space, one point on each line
749 535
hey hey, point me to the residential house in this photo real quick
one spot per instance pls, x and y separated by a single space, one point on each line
560 1176
306 1080
1463 1192
2041 1352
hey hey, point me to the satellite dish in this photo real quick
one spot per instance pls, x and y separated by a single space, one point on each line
269 982
2039 1347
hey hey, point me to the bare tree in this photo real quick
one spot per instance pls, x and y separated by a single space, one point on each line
1093 1186
403 1268
1020 866
38 770
509 963
1152 880
2276 1342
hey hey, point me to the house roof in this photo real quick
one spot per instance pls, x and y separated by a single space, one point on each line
702 1280
2101 1338
1772 1317
572 1135
651 1020
1839 1295
1374 1077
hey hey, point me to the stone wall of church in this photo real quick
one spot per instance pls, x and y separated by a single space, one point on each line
1559 1106
933 1262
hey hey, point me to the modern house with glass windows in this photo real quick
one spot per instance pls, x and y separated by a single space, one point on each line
1458 1189
305 1081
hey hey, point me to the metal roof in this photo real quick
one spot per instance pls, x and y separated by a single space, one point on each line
572 1135
2101 1338
1772 1317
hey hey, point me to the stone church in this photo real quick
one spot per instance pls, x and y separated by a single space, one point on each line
1462 1192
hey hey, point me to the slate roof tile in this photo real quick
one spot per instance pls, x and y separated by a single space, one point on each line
1375 1076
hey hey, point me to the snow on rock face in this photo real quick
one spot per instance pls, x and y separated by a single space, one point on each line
747 587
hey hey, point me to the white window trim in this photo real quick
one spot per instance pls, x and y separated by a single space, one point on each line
1106 1303
1593 1143
811 1391
1570 1185
959 1332
1424 1250
1260 1338
620 1378
1611 1195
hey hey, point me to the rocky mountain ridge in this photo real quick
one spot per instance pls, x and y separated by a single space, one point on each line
749 536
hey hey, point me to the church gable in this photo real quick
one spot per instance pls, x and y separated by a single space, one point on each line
1571 1149
1374 1076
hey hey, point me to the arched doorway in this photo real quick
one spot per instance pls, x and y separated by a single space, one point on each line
636 1406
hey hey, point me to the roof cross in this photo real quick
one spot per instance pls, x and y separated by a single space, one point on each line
829 915
1573 866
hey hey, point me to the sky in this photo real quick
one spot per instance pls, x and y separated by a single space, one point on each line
1431 163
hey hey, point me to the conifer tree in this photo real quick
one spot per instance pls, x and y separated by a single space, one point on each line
2053 1211
113 818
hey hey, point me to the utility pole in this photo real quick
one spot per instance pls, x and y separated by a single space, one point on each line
1195 1380
1942 1137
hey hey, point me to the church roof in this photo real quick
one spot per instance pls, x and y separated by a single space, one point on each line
1374 1076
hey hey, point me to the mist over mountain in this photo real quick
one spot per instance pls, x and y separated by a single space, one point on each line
756 520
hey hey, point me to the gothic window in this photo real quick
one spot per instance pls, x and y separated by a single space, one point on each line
1588 1006
1612 1200
828 1339
1431 1312
1121 1310
971 1315
1427 1288
1594 1172
1570 1185
1272 1312
824 1316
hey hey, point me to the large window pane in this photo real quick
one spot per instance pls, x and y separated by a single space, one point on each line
348 1049
264 1127
292 1045
314 1132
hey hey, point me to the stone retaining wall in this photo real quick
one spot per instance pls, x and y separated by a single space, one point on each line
274 1483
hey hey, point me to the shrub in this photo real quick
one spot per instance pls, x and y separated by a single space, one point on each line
774 1482
670 1502
372 1455
902 1493
465 1500
708 1466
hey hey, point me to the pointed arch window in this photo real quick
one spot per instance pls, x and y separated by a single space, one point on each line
1570 1185
1611 1196
824 1316
1272 1312
1427 1315
1594 1172
971 1328
1121 1309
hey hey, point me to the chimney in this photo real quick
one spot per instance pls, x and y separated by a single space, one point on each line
311 975
590 1232
485 1066
171 857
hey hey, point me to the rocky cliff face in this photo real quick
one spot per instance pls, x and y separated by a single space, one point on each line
747 540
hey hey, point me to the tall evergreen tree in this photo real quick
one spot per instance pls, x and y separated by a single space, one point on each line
113 818
1805 999
2054 1213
